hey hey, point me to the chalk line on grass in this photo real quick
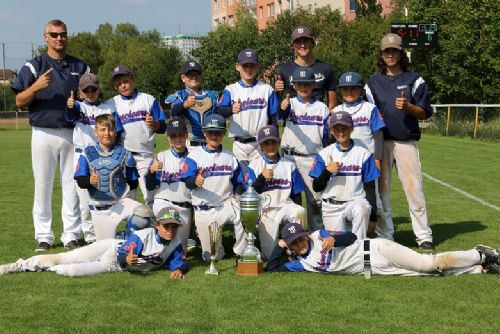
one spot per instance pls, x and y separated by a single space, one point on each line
460 191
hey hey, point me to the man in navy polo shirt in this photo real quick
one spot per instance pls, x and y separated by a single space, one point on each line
325 80
43 86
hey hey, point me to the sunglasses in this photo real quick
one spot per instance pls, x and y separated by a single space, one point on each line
63 35
90 90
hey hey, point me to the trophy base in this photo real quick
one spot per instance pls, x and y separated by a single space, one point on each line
249 268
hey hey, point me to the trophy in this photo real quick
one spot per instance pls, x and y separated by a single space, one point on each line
250 262
214 234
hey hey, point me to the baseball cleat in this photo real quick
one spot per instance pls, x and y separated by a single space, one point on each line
492 268
427 246
73 244
10 268
489 254
42 247
191 244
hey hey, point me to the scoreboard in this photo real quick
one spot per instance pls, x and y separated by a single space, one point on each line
416 35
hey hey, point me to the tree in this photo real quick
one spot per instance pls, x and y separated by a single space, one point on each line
368 8
86 46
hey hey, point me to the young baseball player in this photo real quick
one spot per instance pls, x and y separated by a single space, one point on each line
142 117
83 115
339 172
193 102
250 104
146 250
281 186
107 171
343 254
164 176
305 134
368 125
402 98
214 175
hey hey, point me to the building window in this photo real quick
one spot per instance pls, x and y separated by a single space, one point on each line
261 12
280 7
270 10
230 2
216 4
352 5
231 20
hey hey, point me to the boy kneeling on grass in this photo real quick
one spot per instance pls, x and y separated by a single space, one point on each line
342 254
145 250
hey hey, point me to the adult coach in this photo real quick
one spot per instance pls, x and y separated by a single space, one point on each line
401 97
303 44
44 85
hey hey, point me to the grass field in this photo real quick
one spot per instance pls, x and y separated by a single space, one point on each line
277 303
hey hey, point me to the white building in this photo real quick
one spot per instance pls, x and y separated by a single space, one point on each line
185 43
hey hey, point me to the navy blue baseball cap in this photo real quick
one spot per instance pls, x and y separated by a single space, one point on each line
341 117
291 232
176 125
214 122
190 65
120 70
301 32
268 132
303 74
351 79
248 56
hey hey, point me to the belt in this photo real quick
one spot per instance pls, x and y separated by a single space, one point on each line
245 140
293 152
333 201
78 150
203 207
366 259
100 208
195 143
182 204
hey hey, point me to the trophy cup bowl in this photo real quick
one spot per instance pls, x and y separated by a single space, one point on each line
250 262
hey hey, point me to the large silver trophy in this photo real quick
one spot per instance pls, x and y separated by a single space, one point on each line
250 262
214 233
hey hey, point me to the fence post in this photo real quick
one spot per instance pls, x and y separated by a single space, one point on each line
448 120
476 122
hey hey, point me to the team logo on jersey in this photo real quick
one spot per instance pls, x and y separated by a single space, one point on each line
184 168
402 87
292 229
104 162
319 77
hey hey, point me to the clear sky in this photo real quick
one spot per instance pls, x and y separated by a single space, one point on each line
22 21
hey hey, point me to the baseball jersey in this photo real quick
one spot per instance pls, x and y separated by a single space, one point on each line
285 182
366 119
83 115
171 187
137 137
340 260
49 105
259 105
306 126
194 118
383 90
356 167
153 252
221 172
325 78
126 171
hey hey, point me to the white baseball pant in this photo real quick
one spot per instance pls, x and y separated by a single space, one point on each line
186 215
246 152
143 161
83 200
270 221
48 148
228 212
356 212
96 258
314 217
405 155
106 221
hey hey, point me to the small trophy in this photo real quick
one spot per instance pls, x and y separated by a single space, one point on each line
214 234
250 262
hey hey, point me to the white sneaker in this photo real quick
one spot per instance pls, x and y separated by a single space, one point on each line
10 268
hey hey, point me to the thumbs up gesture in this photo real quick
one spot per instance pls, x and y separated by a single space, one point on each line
268 173
71 101
156 166
401 102
333 166
190 101
43 80
286 102
200 178
279 84
94 177
131 257
237 107
149 119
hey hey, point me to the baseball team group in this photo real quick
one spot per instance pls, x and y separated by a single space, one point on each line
339 156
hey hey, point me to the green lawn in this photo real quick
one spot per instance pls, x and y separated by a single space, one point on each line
278 303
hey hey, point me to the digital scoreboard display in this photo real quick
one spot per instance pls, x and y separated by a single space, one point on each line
416 35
